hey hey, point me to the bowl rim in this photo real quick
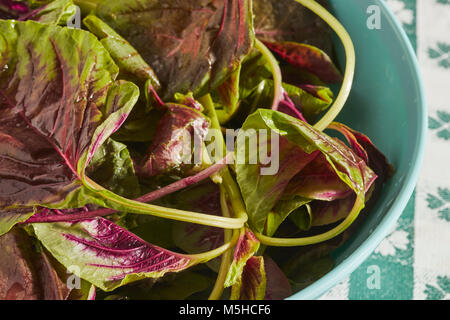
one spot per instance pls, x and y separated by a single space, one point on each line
355 259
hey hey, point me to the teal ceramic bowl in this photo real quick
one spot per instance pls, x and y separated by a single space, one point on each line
388 104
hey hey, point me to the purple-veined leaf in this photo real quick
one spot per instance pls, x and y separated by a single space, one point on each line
308 58
107 255
311 100
178 143
130 62
188 100
307 143
365 148
286 20
277 285
328 212
191 45
227 97
288 206
318 181
25 273
10 9
288 107
46 11
251 285
246 247
261 192
58 105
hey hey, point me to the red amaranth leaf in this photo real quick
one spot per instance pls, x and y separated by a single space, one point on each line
47 12
25 273
308 58
191 45
246 247
106 254
318 180
287 20
59 102
10 9
365 148
178 143
251 284
278 287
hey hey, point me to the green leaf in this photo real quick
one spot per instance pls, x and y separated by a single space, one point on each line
227 97
177 145
307 58
10 217
178 286
112 168
299 145
294 207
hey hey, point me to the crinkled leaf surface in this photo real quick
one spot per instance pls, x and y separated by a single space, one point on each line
178 142
261 193
45 11
112 168
107 255
191 45
130 62
285 208
318 181
287 20
308 58
25 273
57 106
251 285
246 247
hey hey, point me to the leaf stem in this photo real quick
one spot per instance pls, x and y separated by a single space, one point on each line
195 217
232 190
230 185
276 72
286 242
87 6
342 97
217 291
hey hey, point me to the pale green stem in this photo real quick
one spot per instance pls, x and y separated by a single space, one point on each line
169 213
217 291
342 97
287 242
276 73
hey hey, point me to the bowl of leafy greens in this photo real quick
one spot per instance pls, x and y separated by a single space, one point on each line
216 149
